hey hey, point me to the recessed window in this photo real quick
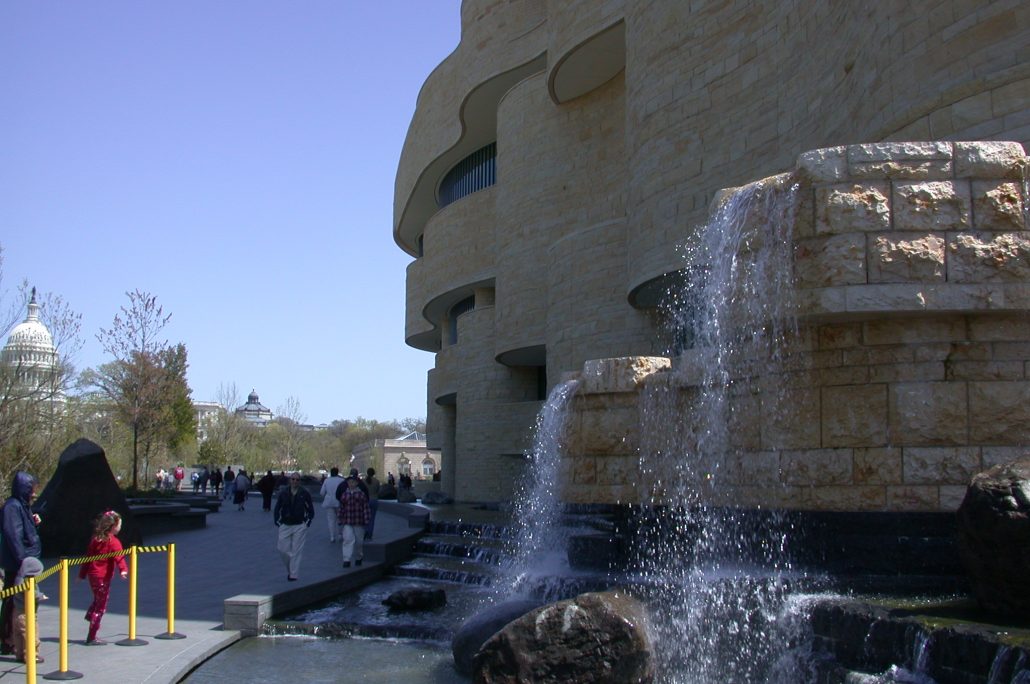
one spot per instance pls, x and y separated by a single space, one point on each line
473 173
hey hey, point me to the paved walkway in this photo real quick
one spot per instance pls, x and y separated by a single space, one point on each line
235 554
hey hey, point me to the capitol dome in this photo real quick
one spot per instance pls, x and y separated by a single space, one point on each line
30 350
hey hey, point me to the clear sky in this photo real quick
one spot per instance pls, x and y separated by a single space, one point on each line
235 158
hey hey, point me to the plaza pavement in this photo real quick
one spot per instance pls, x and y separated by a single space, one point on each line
235 554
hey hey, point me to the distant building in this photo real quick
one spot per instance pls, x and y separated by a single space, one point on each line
31 357
407 454
254 411
207 413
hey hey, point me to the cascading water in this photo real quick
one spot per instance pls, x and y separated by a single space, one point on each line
539 543
719 574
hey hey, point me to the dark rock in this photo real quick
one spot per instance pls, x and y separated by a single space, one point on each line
593 638
387 491
81 488
434 497
410 600
994 537
474 632
406 496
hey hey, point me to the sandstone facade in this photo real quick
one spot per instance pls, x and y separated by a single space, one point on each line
616 123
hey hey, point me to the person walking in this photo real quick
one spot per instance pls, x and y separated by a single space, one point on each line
330 504
373 485
100 572
228 479
179 474
266 485
354 516
294 512
240 487
20 541
30 567
216 481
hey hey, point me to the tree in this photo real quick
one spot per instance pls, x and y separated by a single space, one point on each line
32 421
289 437
146 376
230 434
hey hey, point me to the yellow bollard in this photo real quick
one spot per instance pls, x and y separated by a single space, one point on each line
62 671
171 633
132 640
30 630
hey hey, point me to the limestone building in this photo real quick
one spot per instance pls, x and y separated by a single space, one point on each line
254 412
405 455
560 155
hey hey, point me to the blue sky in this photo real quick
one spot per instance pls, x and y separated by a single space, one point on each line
235 158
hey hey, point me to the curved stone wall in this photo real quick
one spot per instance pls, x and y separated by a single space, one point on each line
597 189
750 94
562 170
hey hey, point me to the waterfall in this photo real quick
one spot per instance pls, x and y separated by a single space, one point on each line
720 575
539 545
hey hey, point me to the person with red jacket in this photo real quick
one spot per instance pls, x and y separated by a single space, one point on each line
100 572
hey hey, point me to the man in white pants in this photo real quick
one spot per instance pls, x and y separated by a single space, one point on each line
330 504
294 512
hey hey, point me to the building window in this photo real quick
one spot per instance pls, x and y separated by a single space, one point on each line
475 172
403 466
428 467
462 307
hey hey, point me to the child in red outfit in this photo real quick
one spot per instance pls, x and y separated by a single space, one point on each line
100 572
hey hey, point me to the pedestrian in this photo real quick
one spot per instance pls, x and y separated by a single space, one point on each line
390 480
228 479
240 487
266 485
195 479
216 481
30 567
281 481
331 504
100 572
204 477
294 512
179 474
20 541
354 516
373 485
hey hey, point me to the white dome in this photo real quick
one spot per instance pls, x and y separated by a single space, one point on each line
30 344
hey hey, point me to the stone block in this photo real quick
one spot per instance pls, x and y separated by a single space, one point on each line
832 260
951 497
899 151
760 468
913 498
791 421
1000 328
920 331
989 257
826 165
903 170
817 467
929 371
845 498
625 374
745 412
584 469
995 455
617 470
999 413
852 208
931 206
989 159
839 336
985 370
941 465
998 205
854 416
928 413
904 258
878 466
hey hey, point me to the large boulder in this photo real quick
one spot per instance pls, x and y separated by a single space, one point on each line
994 537
81 488
474 632
406 496
433 498
415 599
596 638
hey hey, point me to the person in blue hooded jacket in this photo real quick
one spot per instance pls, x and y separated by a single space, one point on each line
20 541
